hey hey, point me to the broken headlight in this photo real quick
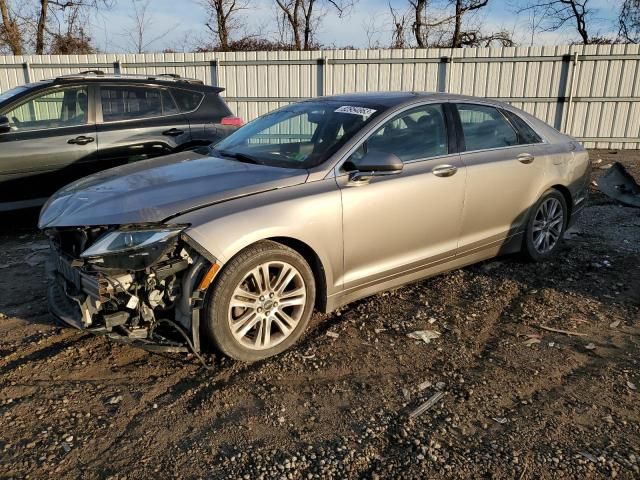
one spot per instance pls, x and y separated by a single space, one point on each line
131 249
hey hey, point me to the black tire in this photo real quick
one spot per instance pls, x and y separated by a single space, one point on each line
216 323
529 249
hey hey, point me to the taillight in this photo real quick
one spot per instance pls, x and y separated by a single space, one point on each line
233 121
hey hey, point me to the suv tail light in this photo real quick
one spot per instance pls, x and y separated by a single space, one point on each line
233 121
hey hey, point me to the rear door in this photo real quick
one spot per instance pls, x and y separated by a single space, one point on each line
503 177
136 122
51 143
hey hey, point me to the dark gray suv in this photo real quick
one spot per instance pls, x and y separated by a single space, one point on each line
55 131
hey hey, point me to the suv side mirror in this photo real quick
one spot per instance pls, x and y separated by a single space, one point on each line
4 124
374 164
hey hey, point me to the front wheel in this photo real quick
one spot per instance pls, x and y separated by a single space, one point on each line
261 303
546 226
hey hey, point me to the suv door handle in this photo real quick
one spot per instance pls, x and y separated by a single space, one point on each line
444 170
81 140
173 132
525 158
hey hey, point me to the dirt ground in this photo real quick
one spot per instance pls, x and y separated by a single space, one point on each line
519 401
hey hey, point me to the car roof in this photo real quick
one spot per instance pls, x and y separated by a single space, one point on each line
392 99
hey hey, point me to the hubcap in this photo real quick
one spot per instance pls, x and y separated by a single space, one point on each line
547 225
267 305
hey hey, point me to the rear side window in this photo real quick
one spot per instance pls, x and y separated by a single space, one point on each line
129 103
526 134
485 127
187 101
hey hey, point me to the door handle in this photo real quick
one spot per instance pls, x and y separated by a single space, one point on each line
525 158
173 132
444 170
81 140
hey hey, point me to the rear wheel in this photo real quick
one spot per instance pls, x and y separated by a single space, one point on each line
546 226
261 302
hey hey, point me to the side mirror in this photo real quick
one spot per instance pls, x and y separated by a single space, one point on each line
4 124
374 164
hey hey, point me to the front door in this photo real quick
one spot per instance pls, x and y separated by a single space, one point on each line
404 222
136 123
51 143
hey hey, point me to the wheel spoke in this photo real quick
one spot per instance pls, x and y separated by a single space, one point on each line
293 297
285 279
245 323
284 322
537 241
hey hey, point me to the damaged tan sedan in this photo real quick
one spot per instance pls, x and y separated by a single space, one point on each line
309 207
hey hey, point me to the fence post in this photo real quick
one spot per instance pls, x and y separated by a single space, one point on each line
214 72
443 70
320 62
569 115
116 67
26 70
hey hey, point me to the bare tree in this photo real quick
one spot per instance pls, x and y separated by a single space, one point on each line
398 34
10 30
223 19
301 18
422 26
629 21
141 23
462 7
557 14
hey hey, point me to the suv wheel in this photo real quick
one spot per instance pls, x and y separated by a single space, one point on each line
546 226
261 302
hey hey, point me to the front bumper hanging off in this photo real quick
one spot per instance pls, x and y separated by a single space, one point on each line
84 300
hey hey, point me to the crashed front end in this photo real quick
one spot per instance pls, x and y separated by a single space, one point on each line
143 285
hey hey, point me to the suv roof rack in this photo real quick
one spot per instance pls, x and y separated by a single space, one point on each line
165 77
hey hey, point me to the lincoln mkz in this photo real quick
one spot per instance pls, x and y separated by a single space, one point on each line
311 206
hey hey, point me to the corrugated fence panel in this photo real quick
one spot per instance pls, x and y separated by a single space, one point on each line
591 92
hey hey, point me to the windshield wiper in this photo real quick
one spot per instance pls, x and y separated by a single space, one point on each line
241 157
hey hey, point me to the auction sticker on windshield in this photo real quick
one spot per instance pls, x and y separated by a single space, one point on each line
365 112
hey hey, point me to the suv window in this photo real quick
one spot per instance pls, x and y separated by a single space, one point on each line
129 103
485 127
415 134
526 134
61 108
186 100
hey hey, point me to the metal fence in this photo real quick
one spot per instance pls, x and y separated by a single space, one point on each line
591 92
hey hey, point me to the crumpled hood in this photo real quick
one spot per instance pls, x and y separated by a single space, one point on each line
156 189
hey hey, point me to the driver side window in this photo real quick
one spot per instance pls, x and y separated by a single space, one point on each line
415 134
61 108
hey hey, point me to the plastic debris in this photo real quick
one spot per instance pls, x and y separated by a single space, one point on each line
618 184
500 420
614 324
590 346
532 341
433 399
425 335
566 332
332 334
631 385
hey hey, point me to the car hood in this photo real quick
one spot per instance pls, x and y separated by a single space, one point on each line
157 189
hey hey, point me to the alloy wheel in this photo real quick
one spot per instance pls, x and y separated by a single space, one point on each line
267 305
547 225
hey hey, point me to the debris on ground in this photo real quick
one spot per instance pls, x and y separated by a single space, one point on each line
564 332
433 399
500 420
425 335
618 184
332 334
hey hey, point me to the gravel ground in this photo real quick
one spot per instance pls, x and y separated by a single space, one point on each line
513 400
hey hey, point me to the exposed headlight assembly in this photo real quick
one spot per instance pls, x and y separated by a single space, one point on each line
131 249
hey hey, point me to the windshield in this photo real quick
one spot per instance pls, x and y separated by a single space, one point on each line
301 135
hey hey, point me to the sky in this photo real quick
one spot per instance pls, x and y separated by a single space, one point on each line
179 24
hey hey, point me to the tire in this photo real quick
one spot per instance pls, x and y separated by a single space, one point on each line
240 330
546 226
